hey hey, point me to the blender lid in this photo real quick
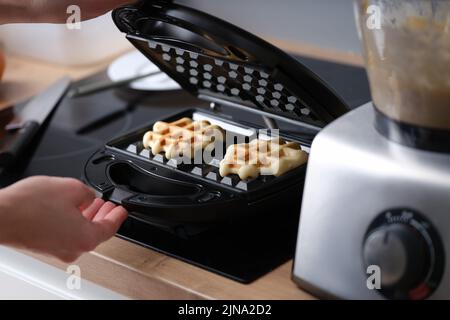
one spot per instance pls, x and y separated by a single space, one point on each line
219 62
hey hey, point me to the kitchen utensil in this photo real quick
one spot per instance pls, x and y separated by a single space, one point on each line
19 133
92 88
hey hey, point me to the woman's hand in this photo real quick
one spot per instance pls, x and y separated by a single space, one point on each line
53 11
56 216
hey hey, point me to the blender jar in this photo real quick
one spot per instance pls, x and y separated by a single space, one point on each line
407 54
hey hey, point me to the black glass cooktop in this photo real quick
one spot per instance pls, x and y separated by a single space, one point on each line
241 251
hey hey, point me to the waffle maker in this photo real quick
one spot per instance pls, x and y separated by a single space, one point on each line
228 67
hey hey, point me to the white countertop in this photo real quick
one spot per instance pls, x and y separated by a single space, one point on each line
25 278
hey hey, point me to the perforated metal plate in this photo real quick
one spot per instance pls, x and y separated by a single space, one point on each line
236 82
217 61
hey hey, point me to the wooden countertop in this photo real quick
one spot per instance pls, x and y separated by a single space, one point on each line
140 273
132 270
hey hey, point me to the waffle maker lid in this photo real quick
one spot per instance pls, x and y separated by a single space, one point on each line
219 62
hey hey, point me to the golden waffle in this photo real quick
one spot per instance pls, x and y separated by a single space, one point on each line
183 137
262 157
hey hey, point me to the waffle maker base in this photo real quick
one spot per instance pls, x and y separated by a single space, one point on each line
187 198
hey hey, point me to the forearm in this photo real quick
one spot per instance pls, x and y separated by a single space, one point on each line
34 11
14 11
52 11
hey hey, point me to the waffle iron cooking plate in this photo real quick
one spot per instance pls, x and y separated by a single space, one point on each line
221 63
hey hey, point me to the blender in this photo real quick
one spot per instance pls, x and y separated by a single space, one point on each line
407 54
381 232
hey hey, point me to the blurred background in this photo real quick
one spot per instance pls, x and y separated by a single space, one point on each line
322 23
325 24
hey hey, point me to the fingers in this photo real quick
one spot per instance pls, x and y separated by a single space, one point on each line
92 210
103 219
110 223
106 218
117 216
92 9
104 210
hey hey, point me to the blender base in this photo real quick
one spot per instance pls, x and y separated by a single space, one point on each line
413 136
355 179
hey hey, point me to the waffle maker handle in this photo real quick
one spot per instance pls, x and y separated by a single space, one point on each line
178 210
207 207
168 197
